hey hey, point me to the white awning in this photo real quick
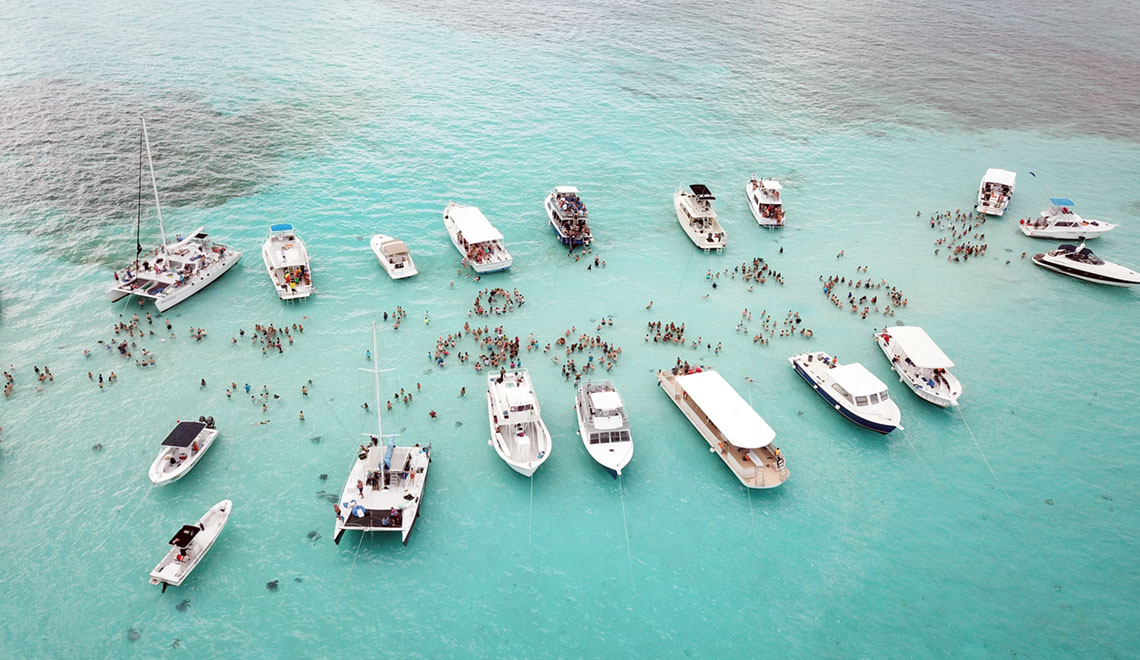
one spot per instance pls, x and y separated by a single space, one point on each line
605 400
726 409
856 379
771 184
474 225
395 247
919 347
1004 177
566 190
517 396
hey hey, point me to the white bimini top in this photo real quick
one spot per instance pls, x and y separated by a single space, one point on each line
1003 177
474 225
727 410
919 347
856 379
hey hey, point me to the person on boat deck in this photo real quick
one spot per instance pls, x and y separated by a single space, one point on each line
194 447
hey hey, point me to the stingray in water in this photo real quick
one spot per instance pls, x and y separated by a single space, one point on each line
271 585
183 606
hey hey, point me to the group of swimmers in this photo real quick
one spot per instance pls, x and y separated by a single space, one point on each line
963 226
865 304
511 300
269 336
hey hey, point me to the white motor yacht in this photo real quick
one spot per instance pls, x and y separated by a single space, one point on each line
182 449
287 261
568 216
393 255
853 391
476 239
518 433
698 218
1060 222
995 191
604 426
920 364
735 433
190 544
764 200
1081 263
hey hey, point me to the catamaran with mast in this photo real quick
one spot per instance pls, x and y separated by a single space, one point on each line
385 485
172 272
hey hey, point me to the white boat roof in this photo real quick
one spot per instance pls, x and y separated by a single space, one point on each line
566 190
519 396
474 225
394 247
605 400
726 409
919 347
771 184
856 379
1004 177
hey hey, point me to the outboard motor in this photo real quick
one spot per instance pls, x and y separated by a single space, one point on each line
202 419
209 422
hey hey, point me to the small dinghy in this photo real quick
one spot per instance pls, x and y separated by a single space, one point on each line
393 255
189 545
182 449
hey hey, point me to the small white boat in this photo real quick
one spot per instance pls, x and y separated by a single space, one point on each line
1081 263
604 426
476 239
568 216
190 544
995 191
1058 221
735 433
852 390
698 218
287 261
181 450
393 255
920 364
518 433
764 201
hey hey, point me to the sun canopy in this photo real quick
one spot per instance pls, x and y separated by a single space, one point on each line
474 225
517 396
730 413
1004 177
183 434
771 184
566 190
185 535
1061 201
919 347
282 227
605 400
395 247
702 191
856 379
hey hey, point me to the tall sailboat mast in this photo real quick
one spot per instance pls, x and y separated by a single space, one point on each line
154 184
376 386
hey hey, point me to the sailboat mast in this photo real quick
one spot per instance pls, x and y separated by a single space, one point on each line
138 216
154 184
376 384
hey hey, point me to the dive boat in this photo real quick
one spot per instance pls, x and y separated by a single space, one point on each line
1058 221
518 433
182 449
764 201
1081 263
190 544
920 364
852 390
734 431
603 425
995 191
385 485
476 239
287 261
698 218
568 216
171 273
393 255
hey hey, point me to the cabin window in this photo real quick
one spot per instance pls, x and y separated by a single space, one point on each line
841 391
594 438
874 399
883 396
860 400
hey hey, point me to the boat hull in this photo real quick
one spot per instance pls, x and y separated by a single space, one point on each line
1079 234
754 206
282 289
699 239
548 205
501 264
394 271
1095 278
859 420
614 461
214 522
942 401
159 477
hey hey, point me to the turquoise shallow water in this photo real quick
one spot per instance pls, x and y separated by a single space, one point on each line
1007 529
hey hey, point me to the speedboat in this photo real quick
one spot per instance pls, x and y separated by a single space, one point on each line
1081 263
190 544
1058 221
385 485
287 261
603 425
518 433
393 255
920 364
734 431
995 191
171 273
182 449
698 218
476 239
852 390
568 216
764 200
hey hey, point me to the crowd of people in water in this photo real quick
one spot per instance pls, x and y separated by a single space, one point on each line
498 301
864 298
269 337
595 351
792 326
964 239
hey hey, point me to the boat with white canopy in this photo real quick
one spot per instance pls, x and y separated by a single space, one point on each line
568 216
604 425
287 261
1081 263
182 449
385 485
764 201
698 218
189 545
518 434
476 239
1060 222
920 364
735 433
853 391
394 256
995 191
